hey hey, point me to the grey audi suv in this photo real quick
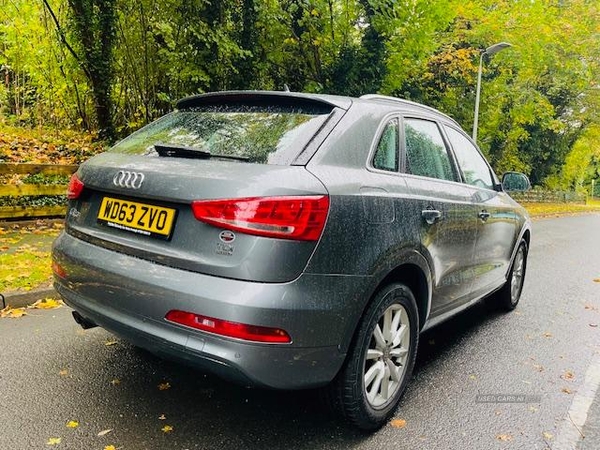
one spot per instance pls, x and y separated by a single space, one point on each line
291 241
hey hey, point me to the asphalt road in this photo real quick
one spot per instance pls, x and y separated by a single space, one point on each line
52 372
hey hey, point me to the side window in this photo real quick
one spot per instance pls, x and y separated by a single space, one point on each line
386 154
472 164
425 149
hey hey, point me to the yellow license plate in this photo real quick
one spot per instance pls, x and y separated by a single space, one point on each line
140 218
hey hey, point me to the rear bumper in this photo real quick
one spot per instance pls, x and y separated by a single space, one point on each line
131 297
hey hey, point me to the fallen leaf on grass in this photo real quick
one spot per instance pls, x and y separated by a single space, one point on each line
568 375
504 437
72 424
164 386
167 429
47 303
12 313
104 432
398 423
53 441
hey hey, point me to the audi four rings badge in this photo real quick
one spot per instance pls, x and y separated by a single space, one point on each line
127 179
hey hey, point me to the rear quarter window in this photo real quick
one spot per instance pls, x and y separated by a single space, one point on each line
259 134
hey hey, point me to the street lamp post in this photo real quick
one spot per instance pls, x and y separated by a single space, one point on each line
490 51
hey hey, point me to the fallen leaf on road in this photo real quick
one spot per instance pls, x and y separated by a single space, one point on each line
167 429
164 386
111 342
533 409
591 307
398 423
63 373
547 435
538 367
596 280
504 437
547 334
115 382
53 441
104 432
593 325
47 303
566 390
568 375
110 447
162 417
72 424
472 377
12 313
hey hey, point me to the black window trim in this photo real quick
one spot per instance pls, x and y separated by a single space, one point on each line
453 161
497 185
375 143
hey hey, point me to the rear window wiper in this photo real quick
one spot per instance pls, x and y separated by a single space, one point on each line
183 151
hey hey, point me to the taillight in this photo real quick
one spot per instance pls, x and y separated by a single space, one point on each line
75 187
230 329
300 218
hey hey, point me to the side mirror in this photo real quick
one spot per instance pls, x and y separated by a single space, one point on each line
515 181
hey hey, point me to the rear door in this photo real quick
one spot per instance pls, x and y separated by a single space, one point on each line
448 226
212 188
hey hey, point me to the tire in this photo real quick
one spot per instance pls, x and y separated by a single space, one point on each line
507 298
366 392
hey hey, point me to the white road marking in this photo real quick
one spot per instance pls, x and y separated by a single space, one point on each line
570 431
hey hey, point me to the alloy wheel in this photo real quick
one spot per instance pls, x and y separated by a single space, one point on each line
386 357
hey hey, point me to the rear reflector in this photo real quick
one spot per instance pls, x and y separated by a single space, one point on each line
229 329
300 218
58 270
75 187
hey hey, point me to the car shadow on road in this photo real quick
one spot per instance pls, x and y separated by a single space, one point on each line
152 393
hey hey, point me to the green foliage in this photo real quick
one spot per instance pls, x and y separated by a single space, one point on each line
131 59
93 28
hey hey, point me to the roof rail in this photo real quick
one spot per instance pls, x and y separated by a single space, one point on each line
401 100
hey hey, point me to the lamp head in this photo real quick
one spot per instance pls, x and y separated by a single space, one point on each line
493 49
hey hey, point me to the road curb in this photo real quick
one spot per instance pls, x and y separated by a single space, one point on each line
21 299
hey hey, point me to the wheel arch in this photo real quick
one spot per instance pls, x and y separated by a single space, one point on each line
415 278
414 272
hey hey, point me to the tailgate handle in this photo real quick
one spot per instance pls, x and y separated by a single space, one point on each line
431 215
484 215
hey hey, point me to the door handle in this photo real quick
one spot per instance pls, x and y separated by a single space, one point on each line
431 215
484 215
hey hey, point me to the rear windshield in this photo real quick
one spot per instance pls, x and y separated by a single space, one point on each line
255 134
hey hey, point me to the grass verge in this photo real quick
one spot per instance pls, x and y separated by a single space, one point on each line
561 209
25 261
